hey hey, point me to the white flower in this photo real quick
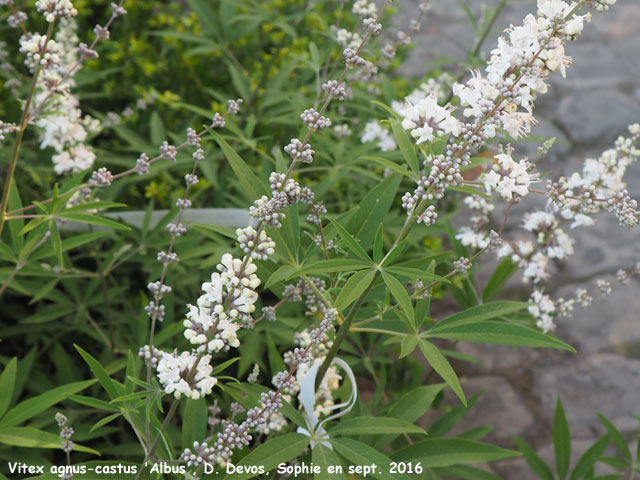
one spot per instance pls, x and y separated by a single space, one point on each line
477 95
543 310
508 177
173 374
75 159
364 8
470 238
539 221
373 131
426 120
478 203
536 269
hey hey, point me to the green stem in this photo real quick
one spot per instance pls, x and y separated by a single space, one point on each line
22 128
341 335
154 445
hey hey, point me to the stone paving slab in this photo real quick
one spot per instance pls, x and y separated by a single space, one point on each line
587 110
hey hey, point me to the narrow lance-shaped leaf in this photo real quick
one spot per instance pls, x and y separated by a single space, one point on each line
499 333
400 294
443 452
536 464
442 367
355 286
375 426
271 453
561 441
7 382
351 243
479 313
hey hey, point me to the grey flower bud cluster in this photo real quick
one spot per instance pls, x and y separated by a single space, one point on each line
117 10
298 151
183 203
168 151
101 32
371 26
102 177
167 258
314 120
158 289
233 106
269 313
52 9
155 311
463 264
191 179
142 164
352 59
85 52
335 90
198 155
218 121
192 137
260 247
176 229
150 355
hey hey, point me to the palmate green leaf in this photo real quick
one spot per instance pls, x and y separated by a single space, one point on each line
589 458
271 453
499 333
94 220
479 313
331 266
444 452
353 288
442 367
536 464
409 407
101 374
406 146
360 454
7 382
33 438
38 404
400 294
251 185
375 426
324 458
561 441
352 244
500 276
